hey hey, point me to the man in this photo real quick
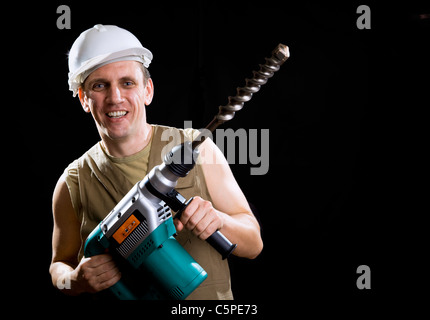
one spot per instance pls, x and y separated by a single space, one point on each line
108 71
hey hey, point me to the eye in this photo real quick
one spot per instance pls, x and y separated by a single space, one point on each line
98 86
128 83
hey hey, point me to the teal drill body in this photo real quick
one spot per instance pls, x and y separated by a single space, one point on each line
171 271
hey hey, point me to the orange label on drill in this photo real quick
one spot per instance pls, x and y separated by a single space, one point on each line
127 227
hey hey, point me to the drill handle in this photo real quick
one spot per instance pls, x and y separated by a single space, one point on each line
217 240
178 203
221 244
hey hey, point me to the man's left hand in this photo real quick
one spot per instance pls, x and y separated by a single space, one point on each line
201 218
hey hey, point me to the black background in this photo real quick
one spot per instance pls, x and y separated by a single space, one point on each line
346 119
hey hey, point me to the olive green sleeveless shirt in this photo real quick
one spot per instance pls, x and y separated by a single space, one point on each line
98 181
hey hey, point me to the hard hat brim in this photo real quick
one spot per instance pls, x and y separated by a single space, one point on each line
79 75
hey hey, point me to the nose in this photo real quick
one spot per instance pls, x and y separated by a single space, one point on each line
114 95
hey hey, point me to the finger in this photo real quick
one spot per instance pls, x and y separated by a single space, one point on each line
210 229
105 257
202 225
108 274
96 261
194 220
108 279
178 225
203 214
189 211
105 267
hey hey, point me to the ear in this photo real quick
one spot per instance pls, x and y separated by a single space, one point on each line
84 100
149 92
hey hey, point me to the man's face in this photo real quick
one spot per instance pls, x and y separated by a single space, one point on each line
116 96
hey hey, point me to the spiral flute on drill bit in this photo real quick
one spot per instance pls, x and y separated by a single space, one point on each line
244 94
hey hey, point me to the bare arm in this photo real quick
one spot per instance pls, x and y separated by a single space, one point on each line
229 212
68 274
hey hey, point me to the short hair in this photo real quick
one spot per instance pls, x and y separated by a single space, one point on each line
146 74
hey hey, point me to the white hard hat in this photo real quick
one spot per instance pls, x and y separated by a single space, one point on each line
99 46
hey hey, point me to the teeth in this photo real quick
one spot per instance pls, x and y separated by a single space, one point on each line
117 114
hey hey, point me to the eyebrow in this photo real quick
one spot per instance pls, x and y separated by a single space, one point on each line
104 80
98 80
92 81
127 78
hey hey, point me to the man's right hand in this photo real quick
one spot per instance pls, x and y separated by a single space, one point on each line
95 274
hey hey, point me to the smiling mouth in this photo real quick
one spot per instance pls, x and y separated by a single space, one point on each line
116 114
